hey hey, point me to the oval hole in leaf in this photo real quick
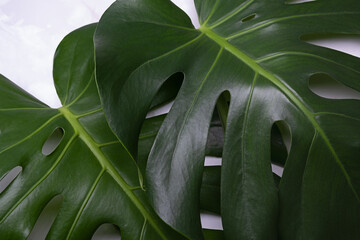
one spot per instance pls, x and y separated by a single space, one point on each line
248 18
9 178
347 43
46 219
107 231
163 99
298 1
325 86
52 142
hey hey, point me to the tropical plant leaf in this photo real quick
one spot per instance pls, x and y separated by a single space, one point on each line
251 50
90 168
213 234
210 187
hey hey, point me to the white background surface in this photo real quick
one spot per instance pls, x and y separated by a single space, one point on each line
31 30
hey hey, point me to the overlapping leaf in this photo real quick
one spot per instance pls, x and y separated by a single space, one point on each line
253 51
93 172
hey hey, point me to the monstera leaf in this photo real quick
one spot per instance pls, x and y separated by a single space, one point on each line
97 177
249 53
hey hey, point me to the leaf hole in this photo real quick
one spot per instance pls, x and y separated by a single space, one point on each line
280 146
9 178
280 142
325 86
277 172
298 1
248 18
107 231
212 161
211 178
52 142
211 220
159 110
165 96
346 43
46 219
215 138
216 133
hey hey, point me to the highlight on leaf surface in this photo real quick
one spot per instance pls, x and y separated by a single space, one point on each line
64 174
72 153
253 50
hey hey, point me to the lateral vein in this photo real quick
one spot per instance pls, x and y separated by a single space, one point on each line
40 180
282 87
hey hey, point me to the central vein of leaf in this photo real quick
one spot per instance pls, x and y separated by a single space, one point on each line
105 163
258 69
93 146
290 94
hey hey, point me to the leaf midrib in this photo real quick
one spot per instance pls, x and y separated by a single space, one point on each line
108 167
222 42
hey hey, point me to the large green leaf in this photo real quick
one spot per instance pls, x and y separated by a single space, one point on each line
91 169
253 51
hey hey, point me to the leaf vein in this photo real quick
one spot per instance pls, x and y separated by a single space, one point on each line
288 92
32 134
163 24
70 71
211 13
194 100
266 58
106 164
142 235
336 114
167 54
243 163
82 92
86 200
231 14
24 109
88 113
269 22
40 180
108 144
149 135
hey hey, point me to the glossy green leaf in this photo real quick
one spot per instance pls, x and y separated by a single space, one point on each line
210 194
210 189
213 234
91 169
252 50
215 139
